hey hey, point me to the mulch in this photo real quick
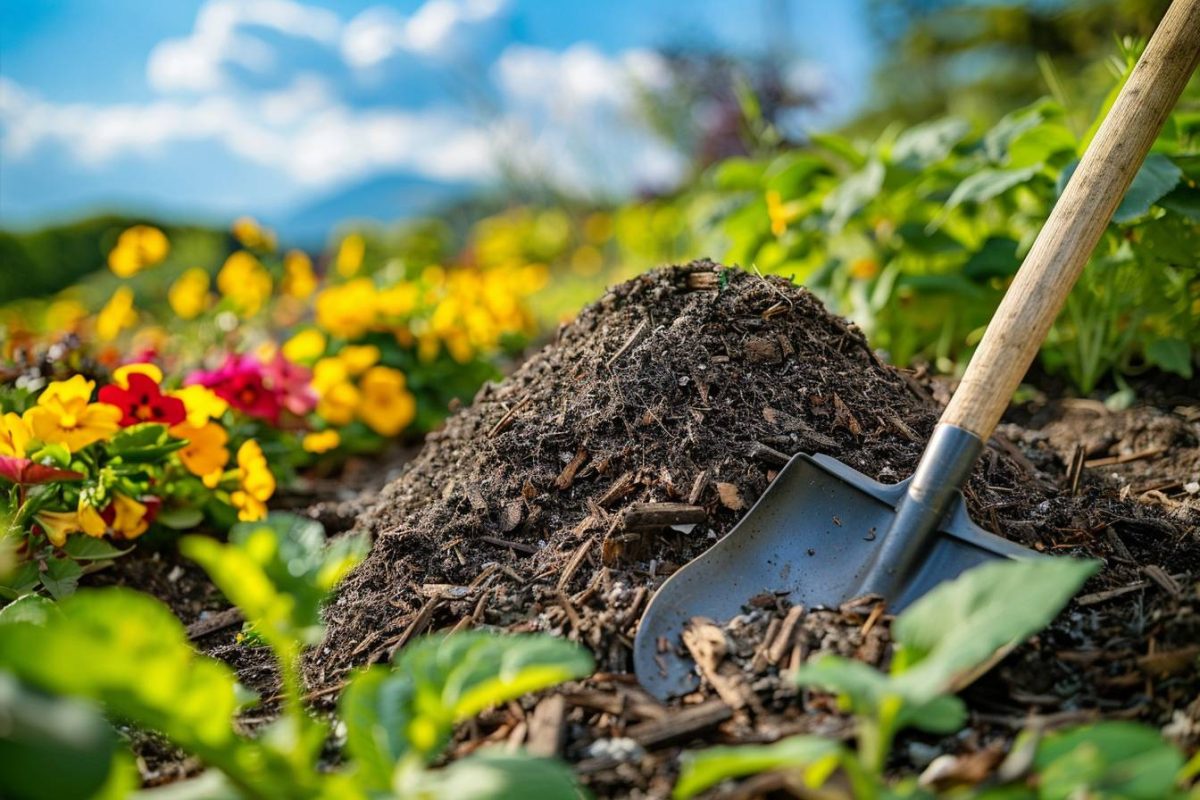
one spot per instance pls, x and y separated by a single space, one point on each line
559 499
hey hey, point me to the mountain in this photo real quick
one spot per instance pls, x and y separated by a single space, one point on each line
382 199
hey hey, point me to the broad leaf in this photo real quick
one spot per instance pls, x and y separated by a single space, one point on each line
146 443
963 623
32 608
1171 354
1108 759
88 548
278 572
928 143
852 194
867 692
128 652
987 184
811 756
50 746
1158 176
441 680
61 576
25 472
996 258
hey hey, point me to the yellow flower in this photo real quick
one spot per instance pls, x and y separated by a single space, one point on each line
347 310
359 358
321 441
90 521
188 295
64 416
64 315
399 300
387 406
255 481
250 234
305 347
202 404
245 282
350 255
205 455
130 520
116 316
864 268
298 278
121 374
14 435
58 525
780 213
137 248
338 403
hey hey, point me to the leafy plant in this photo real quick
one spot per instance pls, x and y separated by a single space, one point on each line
130 654
943 642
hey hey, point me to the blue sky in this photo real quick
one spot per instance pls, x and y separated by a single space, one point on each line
215 108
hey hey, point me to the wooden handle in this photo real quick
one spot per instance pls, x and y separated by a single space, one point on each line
1078 220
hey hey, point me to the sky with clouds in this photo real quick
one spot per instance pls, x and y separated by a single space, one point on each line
221 107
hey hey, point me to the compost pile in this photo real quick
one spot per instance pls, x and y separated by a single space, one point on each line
535 508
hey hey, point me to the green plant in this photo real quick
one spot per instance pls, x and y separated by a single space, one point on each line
130 654
943 642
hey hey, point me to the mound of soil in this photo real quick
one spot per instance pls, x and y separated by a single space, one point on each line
533 509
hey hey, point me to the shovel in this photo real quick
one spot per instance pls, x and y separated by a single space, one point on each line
824 533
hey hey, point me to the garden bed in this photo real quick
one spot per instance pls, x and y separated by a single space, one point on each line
693 385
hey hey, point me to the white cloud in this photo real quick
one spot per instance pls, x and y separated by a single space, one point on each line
293 88
224 36
573 117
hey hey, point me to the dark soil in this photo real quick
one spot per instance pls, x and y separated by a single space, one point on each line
693 385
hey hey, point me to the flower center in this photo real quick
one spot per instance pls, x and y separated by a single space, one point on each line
68 420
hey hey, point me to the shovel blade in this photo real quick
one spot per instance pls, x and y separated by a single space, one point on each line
810 538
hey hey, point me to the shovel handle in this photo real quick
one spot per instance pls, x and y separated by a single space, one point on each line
1078 220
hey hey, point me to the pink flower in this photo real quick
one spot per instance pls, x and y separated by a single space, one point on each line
240 381
291 383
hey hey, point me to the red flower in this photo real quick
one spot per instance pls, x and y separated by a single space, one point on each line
239 381
292 385
26 472
143 401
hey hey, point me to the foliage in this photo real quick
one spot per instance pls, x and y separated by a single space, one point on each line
991 609
130 654
915 236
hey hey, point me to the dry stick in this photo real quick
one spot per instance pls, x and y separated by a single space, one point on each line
1109 461
508 417
633 337
573 565
520 547
214 622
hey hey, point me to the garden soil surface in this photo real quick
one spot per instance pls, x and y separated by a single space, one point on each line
533 509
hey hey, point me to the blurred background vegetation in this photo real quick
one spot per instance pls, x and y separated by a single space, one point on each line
910 217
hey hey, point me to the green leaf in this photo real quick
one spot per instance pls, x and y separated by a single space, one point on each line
841 147
986 184
491 775
790 174
278 572
22 580
61 576
867 692
130 653
852 194
995 258
928 143
963 623
87 548
738 174
1108 759
441 680
31 608
1171 354
996 141
1184 201
146 443
51 747
1043 143
1157 176
180 519
811 756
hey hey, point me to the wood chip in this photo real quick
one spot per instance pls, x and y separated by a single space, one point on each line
650 516
680 726
731 498
567 476
520 547
708 645
218 621
781 645
573 565
621 487
698 487
546 731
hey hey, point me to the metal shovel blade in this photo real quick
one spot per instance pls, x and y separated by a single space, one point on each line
810 537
